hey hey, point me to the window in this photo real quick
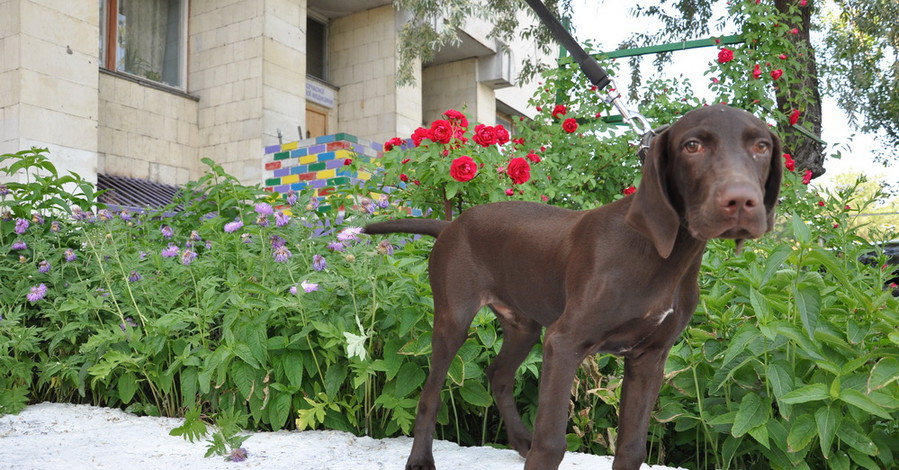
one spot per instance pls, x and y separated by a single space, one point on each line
315 48
145 38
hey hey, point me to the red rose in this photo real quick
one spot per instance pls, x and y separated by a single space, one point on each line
533 157
519 170
820 203
442 131
559 110
485 136
756 71
569 125
510 192
807 177
782 57
348 162
725 55
421 134
794 117
794 31
404 178
789 163
456 117
405 161
775 74
502 135
463 169
629 190
394 142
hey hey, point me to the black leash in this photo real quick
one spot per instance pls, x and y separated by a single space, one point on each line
597 76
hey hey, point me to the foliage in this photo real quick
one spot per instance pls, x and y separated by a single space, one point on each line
432 25
861 44
246 309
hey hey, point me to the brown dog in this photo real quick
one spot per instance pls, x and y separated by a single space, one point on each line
619 279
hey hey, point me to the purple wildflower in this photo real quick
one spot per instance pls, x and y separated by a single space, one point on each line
128 322
37 293
5 215
78 213
21 225
208 245
262 221
55 226
105 215
167 231
3 190
292 290
368 205
43 267
246 237
319 263
231 227
125 215
383 202
385 248
237 455
336 246
187 257
19 245
69 255
170 251
142 255
291 197
349 233
281 219
281 254
309 286
37 218
264 209
134 276
277 241
195 236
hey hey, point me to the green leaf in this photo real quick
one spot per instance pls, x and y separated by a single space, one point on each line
751 414
775 261
852 436
885 372
335 376
800 230
808 301
127 387
860 400
408 379
475 393
278 409
828 421
802 431
759 305
814 392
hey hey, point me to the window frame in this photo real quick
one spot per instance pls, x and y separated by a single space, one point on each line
109 45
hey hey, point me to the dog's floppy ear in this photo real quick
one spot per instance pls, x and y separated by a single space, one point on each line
651 212
772 184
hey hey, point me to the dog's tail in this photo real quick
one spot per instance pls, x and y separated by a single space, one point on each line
430 227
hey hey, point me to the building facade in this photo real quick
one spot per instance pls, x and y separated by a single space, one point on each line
174 81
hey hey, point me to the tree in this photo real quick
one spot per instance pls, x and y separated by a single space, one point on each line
686 19
861 69
434 24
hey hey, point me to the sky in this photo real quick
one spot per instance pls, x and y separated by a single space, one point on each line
608 23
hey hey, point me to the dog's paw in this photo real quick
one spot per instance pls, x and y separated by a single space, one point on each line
420 463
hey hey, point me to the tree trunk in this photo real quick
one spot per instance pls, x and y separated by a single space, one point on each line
808 153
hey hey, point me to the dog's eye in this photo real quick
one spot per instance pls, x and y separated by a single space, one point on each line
693 146
762 147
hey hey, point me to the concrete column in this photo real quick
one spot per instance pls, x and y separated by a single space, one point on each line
49 81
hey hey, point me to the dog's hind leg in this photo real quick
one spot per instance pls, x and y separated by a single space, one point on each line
451 323
518 339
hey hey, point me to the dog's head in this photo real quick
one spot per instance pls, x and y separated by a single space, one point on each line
716 171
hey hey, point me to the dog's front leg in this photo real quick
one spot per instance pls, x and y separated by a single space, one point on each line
642 380
561 358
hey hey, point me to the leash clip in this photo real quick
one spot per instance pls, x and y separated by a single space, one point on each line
637 121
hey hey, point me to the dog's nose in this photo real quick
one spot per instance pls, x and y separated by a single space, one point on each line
737 198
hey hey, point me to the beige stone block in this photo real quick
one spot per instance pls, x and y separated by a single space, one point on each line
9 18
42 124
10 47
79 34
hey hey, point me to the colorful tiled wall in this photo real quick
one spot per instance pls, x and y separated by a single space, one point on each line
318 164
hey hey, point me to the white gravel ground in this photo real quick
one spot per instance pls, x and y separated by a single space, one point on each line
52 436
